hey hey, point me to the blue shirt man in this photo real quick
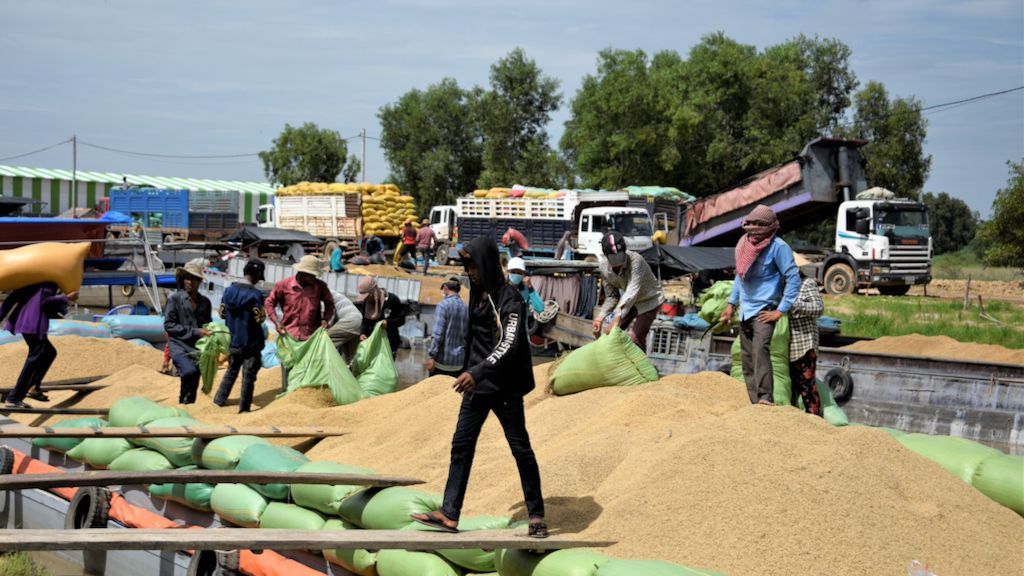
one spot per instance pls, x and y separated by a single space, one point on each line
518 278
447 352
242 310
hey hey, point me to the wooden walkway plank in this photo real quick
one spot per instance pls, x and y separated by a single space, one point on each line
52 384
205 431
277 539
56 411
115 478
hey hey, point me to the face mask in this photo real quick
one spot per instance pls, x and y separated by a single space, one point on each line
516 279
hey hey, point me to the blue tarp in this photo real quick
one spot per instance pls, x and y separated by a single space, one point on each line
115 217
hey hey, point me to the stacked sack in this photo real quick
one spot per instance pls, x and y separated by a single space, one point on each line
385 211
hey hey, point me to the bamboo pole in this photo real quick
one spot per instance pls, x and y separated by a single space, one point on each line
118 478
210 431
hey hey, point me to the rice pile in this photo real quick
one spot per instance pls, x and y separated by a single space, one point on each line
939 347
683 470
79 357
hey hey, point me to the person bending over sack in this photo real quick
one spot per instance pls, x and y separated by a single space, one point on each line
186 313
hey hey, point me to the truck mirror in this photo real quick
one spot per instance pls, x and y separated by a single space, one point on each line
863 214
863 226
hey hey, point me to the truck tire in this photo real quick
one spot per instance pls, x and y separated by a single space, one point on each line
840 280
6 460
441 253
841 383
894 290
90 508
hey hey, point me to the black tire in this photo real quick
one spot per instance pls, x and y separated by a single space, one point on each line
90 508
725 368
6 460
840 279
203 563
229 562
841 383
894 290
532 325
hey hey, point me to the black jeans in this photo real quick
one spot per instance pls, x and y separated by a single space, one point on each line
472 415
41 355
250 367
755 345
188 371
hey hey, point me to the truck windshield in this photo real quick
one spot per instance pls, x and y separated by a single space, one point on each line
630 224
901 223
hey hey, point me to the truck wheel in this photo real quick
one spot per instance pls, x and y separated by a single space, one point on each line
441 253
894 290
839 280
839 380
90 508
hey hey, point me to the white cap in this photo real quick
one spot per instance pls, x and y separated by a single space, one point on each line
516 264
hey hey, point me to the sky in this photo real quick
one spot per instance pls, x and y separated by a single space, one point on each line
223 77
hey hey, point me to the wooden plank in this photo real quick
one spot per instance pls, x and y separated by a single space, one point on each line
73 381
56 411
115 478
210 431
278 539
569 330
65 388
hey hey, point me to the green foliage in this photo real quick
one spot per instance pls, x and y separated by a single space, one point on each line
969 263
950 222
1003 235
20 564
305 154
352 169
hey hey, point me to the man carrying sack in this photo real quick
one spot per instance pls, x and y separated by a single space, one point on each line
306 304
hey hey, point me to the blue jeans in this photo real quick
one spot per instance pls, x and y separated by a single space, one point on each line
188 370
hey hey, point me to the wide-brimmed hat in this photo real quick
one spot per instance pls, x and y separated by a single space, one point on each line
308 264
194 268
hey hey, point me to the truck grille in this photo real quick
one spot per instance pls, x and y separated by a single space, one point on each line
909 259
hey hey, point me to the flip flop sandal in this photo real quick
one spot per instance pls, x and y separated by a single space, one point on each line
434 522
40 396
538 530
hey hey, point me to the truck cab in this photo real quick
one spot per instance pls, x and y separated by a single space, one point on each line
633 223
265 216
442 222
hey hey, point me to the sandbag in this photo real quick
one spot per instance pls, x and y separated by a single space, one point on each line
99 452
782 386
65 265
958 455
316 363
474 560
409 563
58 327
195 495
649 568
290 516
361 562
1001 478
139 411
64 444
387 509
569 562
373 365
210 349
223 453
176 449
611 360
270 458
141 460
238 504
324 497
148 328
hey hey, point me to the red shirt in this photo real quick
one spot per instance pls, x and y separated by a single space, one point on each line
300 306
513 235
425 237
408 235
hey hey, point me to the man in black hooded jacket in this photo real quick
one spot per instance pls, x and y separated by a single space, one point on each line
498 373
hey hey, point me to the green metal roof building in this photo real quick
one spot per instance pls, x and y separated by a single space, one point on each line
54 188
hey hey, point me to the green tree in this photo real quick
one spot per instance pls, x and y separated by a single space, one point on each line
1003 235
433 143
826 61
896 132
350 173
304 154
951 222
514 114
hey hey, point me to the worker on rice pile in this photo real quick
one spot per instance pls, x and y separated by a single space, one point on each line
515 242
803 345
374 248
378 306
28 311
521 282
241 308
347 326
766 286
306 305
337 259
408 248
185 314
447 351
425 242
498 374
631 291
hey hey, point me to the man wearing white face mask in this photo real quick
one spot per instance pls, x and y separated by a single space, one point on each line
517 277
631 291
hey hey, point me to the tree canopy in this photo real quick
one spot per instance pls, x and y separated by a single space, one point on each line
951 222
1003 235
305 154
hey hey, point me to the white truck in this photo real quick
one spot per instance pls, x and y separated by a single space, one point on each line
333 217
587 214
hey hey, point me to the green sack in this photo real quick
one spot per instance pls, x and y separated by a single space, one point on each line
712 303
611 360
210 348
892 431
271 458
195 495
830 411
316 363
474 560
290 516
387 509
177 449
1001 478
324 497
958 455
373 365
99 452
409 563
141 460
138 411
782 386
238 504
223 453
569 562
64 444
361 562
650 568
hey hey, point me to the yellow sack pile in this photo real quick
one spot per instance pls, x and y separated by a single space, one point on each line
62 264
322 188
385 211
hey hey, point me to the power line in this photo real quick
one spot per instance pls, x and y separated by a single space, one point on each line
973 98
937 108
179 156
35 151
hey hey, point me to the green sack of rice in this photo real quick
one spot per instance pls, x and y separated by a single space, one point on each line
177 449
373 365
139 411
223 453
569 562
958 455
361 562
270 458
291 516
141 460
409 563
474 560
63 444
611 360
99 452
649 568
782 386
195 495
238 504
325 497
387 509
1001 478
712 303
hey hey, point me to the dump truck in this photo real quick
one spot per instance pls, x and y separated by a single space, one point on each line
175 215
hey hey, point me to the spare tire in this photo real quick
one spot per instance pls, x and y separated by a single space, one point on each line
6 460
841 383
90 508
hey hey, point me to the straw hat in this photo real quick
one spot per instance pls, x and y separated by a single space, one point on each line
308 264
194 268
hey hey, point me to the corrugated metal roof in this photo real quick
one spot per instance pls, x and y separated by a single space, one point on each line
156 181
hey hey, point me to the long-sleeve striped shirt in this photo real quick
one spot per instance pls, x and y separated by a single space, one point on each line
448 337
803 320
634 285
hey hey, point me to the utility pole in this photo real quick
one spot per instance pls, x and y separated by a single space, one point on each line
362 136
74 176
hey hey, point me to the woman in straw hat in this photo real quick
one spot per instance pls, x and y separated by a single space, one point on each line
186 313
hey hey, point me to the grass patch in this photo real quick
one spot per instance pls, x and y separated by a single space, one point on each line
20 564
966 262
877 316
